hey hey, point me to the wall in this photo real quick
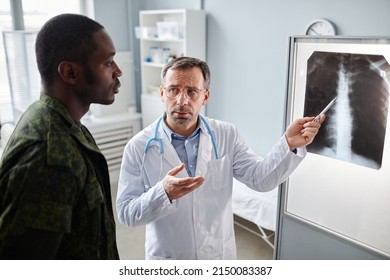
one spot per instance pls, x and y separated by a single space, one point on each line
113 15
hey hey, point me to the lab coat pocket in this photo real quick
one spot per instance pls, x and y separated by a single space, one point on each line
220 172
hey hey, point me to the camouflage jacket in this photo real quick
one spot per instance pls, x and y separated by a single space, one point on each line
53 178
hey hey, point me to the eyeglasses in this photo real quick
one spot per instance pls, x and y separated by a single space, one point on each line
190 92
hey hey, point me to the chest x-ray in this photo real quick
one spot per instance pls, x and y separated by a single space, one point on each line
355 128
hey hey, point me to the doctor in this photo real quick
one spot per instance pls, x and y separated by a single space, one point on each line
177 174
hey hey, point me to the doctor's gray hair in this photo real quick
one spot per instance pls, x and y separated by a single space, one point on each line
185 62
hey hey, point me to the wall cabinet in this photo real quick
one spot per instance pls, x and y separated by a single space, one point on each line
165 34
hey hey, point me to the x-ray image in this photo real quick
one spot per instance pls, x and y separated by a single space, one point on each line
355 128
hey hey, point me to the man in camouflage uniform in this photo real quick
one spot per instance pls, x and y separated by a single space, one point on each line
55 200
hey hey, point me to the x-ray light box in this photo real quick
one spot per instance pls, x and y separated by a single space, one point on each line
343 185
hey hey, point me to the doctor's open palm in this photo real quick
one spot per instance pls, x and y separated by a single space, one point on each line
178 187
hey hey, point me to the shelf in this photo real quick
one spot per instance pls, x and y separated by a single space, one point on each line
189 40
163 40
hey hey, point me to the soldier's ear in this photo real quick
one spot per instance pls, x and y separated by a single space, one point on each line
69 71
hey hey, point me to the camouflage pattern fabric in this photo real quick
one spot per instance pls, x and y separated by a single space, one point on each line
53 178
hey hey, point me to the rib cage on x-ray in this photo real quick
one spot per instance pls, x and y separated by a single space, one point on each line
355 127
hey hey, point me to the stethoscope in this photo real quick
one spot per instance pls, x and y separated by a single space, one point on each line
155 138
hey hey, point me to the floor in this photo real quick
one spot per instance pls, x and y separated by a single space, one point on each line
249 246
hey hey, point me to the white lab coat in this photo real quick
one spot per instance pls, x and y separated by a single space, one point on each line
200 224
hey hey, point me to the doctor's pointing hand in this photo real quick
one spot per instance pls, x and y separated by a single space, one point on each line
302 131
177 174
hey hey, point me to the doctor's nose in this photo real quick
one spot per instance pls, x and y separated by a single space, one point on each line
182 99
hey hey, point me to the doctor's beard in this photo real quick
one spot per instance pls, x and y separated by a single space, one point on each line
182 120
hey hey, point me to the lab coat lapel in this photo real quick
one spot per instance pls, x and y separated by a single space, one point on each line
169 154
205 152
